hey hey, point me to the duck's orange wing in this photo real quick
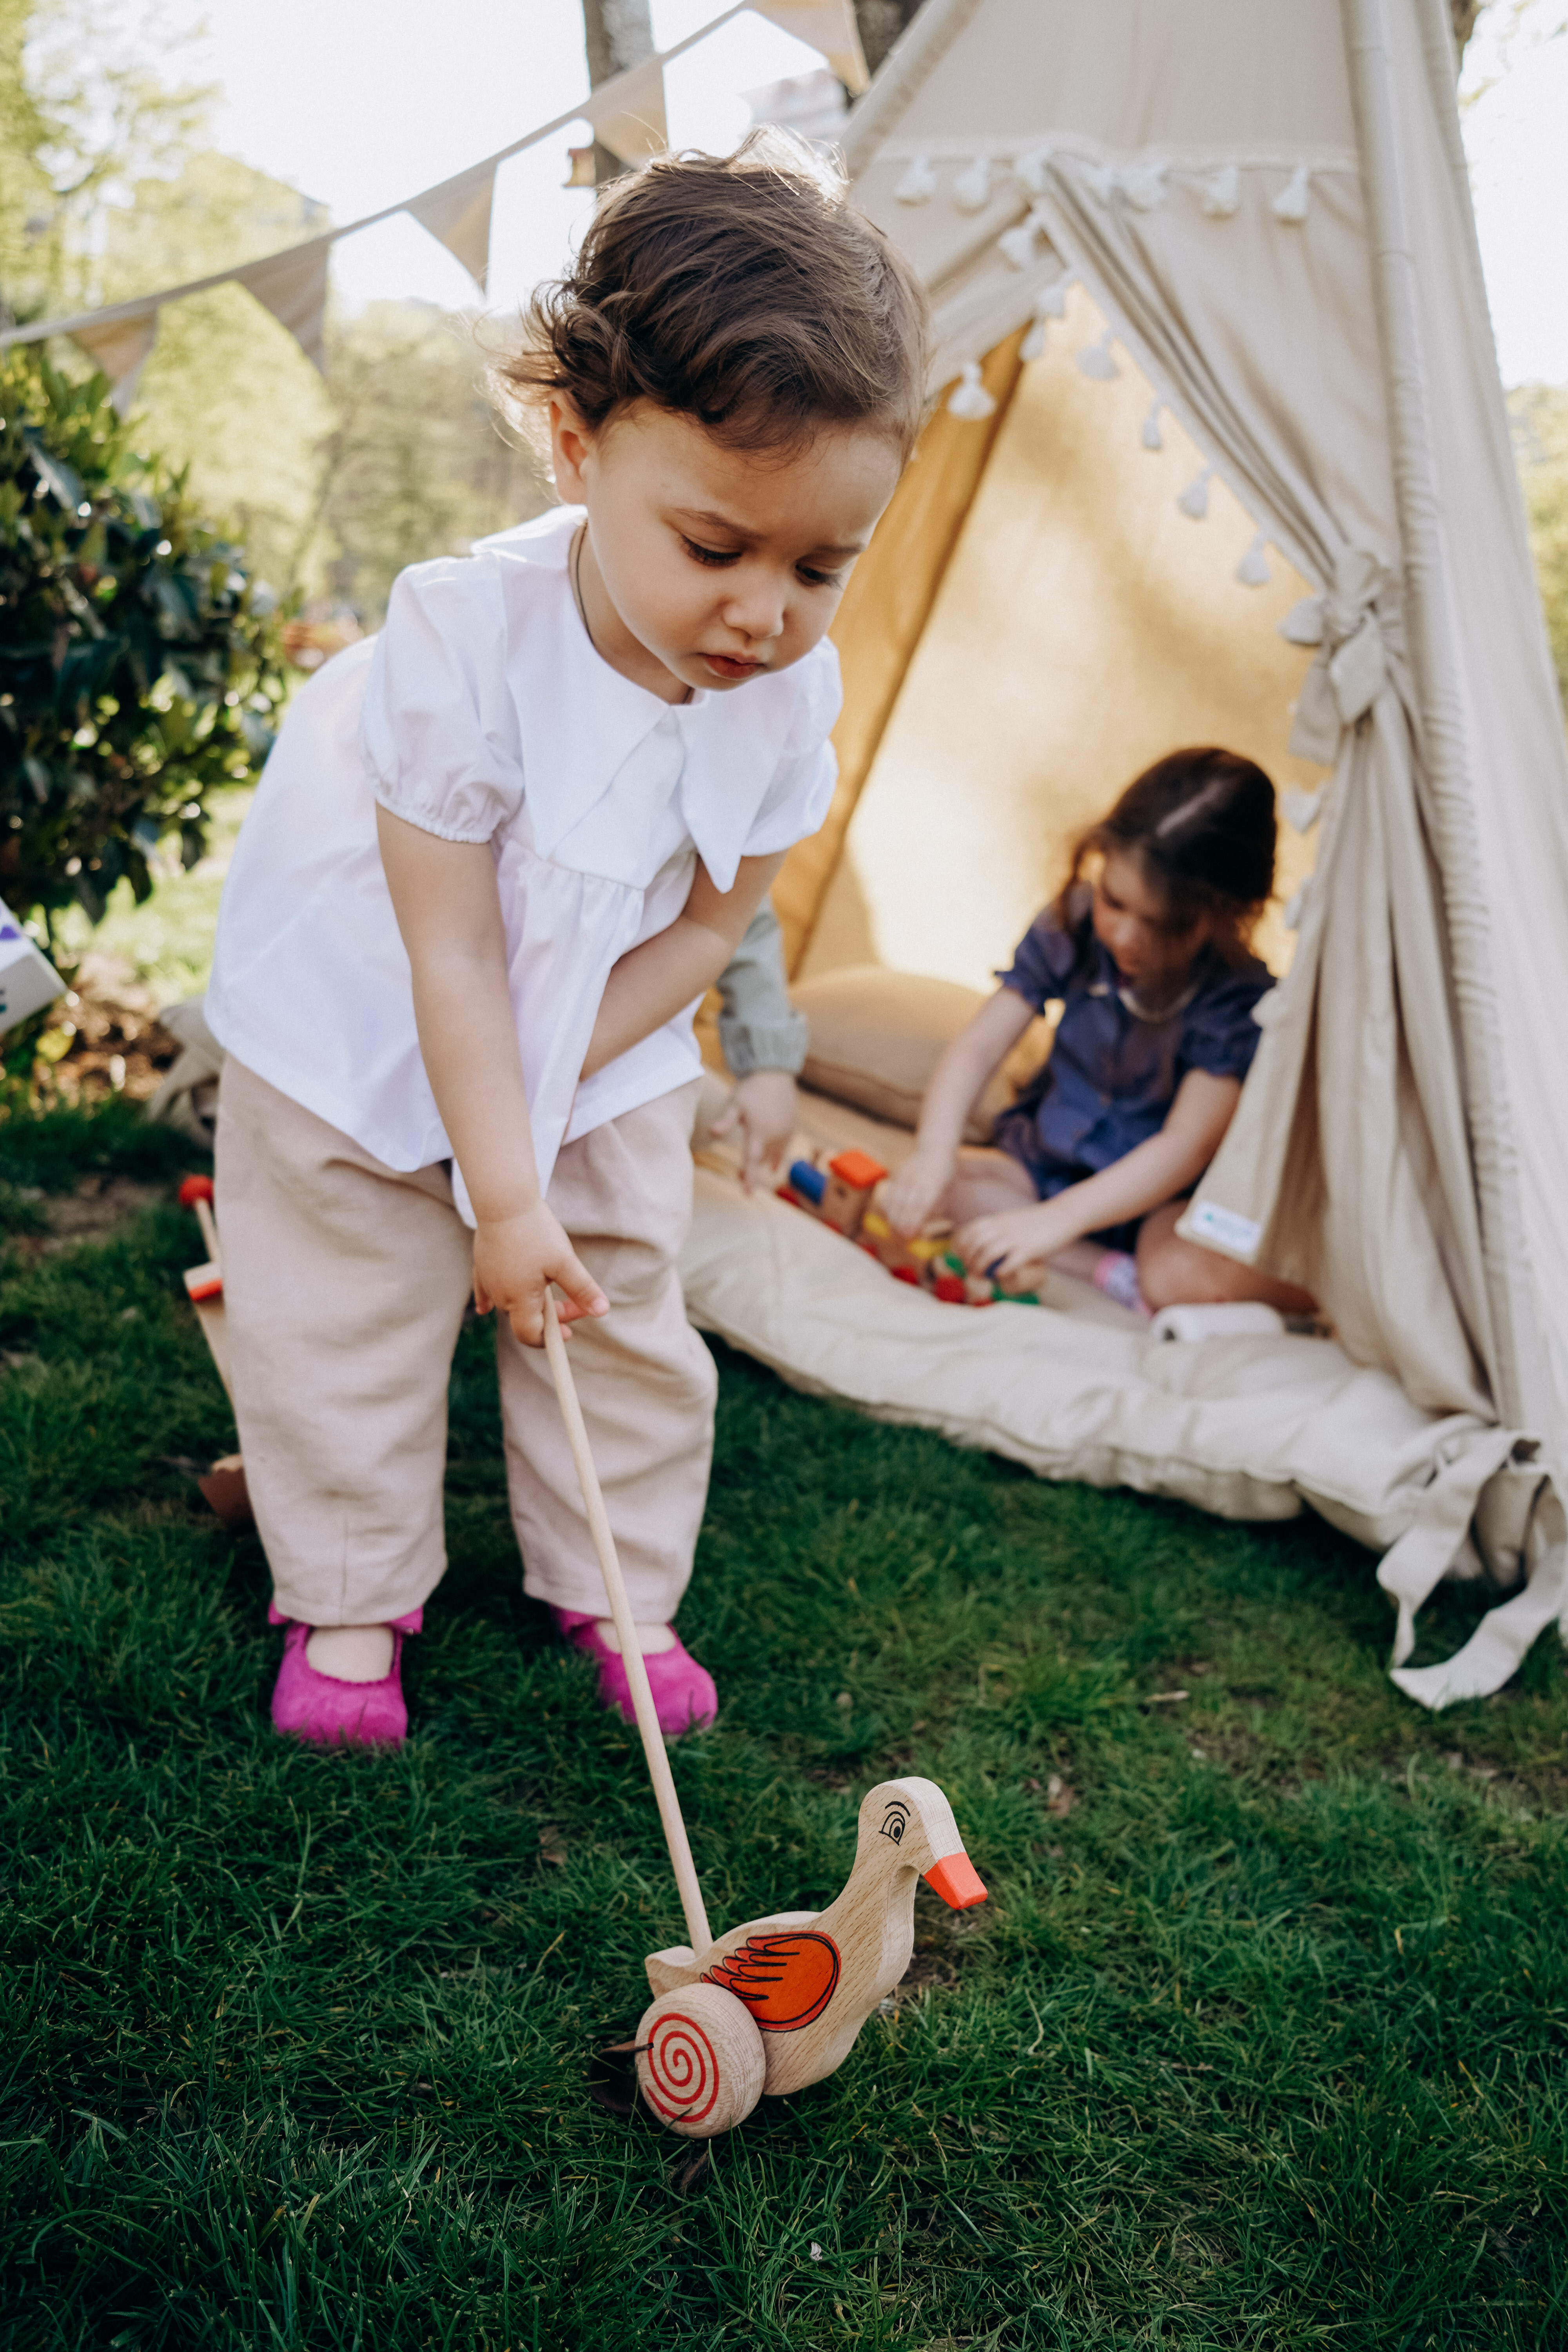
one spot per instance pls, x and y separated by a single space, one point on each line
785 1979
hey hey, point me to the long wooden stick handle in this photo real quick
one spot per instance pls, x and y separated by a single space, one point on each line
658 1771
209 1232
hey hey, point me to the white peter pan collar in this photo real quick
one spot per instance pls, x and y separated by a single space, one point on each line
579 722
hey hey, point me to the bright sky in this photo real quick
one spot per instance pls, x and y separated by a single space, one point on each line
1516 134
360 102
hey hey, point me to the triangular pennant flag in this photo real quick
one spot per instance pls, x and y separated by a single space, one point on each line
120 348
827 27
293 286
458 214
632 122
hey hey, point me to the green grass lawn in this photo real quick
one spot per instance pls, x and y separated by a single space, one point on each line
1259 2042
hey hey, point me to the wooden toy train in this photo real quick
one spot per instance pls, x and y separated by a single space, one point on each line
843 1194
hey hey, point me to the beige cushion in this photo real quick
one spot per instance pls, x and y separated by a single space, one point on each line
877 1037
1075 1389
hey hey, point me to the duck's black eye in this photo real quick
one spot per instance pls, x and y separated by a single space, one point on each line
893 1823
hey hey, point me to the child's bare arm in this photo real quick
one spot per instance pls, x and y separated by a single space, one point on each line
650 983
1148 1176
959 1078
449 911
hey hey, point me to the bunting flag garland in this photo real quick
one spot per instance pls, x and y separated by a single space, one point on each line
458 213
628 112
293 286
829 26
122 349
636 127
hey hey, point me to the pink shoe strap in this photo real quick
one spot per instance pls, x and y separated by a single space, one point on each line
414 1622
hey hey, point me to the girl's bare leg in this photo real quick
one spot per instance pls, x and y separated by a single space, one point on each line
987 1181
1174 1273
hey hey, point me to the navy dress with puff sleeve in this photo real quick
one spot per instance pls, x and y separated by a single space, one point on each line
1114 1071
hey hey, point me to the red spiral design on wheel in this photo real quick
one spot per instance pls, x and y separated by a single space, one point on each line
682 2078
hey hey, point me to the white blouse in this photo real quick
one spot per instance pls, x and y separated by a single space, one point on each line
482 713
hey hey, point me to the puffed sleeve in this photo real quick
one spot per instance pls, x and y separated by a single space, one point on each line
800 790
439 733
1043 961
1220 1035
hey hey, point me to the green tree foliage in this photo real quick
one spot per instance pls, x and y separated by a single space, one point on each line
227 393
138 667
415 464
26 195
82 117
1539 414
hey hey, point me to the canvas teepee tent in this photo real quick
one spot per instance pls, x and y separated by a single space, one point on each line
1242 235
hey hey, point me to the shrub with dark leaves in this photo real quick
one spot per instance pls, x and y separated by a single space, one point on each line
139 666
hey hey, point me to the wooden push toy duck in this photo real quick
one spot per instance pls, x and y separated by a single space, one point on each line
777 2003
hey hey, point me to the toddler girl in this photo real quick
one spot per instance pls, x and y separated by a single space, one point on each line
1089 1172
497 858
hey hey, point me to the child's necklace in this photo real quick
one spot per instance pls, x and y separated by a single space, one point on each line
577 576
574 573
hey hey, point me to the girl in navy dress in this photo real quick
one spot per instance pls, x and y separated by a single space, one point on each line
1147 952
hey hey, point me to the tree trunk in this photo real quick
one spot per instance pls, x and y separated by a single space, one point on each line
616 34
881 22
1465 15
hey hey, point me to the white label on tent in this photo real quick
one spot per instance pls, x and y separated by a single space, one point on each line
1205 1220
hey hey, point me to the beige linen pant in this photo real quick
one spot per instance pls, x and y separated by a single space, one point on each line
345 1286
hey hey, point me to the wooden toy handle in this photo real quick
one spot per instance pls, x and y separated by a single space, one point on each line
197 1193
209 1232
658 1769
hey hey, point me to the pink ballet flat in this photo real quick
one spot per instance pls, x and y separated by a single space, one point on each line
684 1696
329 1713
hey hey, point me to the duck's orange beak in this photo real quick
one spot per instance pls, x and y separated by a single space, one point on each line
957 1880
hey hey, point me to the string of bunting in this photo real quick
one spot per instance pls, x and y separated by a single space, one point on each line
627 114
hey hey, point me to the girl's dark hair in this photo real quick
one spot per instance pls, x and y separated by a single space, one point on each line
744 290
1202 824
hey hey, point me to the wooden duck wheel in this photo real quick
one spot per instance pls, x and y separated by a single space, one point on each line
701 2060
777 2002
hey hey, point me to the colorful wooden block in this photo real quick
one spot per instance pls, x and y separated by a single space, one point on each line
851 1179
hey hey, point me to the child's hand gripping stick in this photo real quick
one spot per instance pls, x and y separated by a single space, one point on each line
669 1813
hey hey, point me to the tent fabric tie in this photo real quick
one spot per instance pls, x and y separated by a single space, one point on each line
1412 1567
1356 628
1497 1648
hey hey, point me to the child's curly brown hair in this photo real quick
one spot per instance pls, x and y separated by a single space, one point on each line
744 290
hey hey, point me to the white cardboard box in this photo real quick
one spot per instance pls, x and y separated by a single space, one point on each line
28 979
